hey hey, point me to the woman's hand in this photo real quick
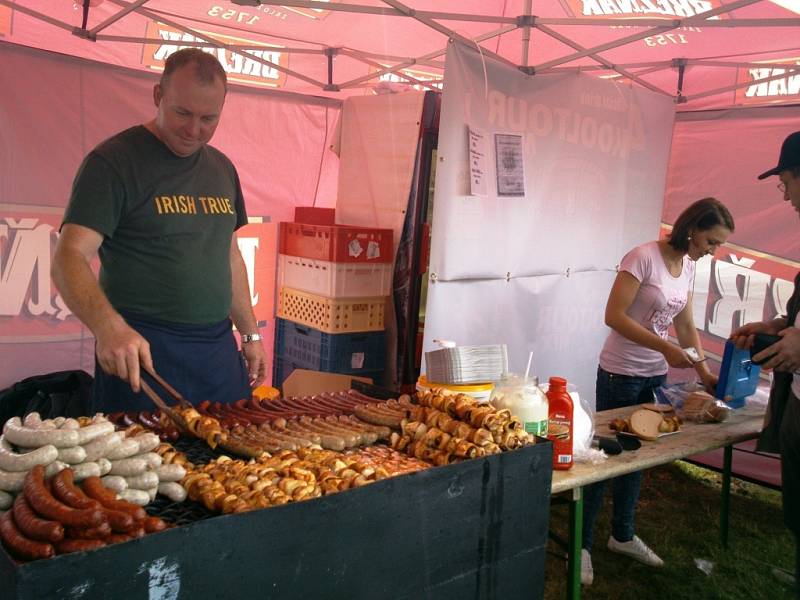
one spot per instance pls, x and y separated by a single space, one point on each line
709 381
676 357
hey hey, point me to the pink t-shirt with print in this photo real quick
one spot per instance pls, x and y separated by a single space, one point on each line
660 298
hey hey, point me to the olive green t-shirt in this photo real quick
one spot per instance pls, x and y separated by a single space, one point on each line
167 223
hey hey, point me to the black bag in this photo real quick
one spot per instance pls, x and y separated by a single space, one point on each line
60 394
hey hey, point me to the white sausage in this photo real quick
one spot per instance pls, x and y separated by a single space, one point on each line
145 481
147 441
55 467
128 467
28 437
129 447
90 432
172 490
71 424
32 419
136 496
152 459
167 473
101 446
84 470
38 423
12 461
73 455
59 421
152 493
6 500
105 465
115 482
11 481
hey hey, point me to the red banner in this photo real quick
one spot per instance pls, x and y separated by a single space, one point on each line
781 89
738 286
31 309
311 13
258 245
5 21
392 81
238 66
651 9
37 326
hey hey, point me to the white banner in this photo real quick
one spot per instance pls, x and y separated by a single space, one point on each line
533 271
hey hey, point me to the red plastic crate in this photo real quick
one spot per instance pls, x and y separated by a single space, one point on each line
336 243
314 215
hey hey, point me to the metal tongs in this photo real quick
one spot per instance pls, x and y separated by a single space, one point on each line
174 415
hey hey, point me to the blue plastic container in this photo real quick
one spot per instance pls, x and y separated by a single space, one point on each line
738 376
309 348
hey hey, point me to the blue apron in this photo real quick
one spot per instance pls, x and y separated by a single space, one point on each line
202 362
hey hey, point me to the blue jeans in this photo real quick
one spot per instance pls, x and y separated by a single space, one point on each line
617 391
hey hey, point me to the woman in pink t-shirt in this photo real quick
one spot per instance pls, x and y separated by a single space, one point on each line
652 291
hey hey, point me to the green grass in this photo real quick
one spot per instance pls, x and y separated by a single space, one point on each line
678 516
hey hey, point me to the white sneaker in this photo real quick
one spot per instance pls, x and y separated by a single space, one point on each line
636 549
587 572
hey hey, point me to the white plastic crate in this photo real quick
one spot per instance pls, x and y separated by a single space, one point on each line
331 315
334 279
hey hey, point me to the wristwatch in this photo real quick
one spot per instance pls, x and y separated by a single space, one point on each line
251 337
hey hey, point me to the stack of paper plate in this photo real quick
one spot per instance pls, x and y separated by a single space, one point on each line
467 364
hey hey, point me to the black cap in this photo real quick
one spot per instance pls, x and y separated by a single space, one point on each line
790 155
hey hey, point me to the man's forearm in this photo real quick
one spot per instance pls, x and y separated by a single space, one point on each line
241 308
79 288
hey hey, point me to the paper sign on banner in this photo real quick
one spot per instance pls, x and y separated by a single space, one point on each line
373 250
354 248
510 173
477 162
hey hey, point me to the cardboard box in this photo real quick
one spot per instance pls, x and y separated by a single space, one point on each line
303 382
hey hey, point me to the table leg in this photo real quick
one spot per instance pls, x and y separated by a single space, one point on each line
575 542
727 464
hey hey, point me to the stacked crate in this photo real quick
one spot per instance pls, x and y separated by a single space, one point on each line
333 284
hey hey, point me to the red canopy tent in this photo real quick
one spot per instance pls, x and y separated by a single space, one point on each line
702 52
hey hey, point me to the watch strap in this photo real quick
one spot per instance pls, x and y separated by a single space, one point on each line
251 337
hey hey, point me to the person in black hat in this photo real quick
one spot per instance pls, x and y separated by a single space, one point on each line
782 424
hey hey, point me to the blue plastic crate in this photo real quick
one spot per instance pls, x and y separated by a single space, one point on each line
738 376
309 348
282 368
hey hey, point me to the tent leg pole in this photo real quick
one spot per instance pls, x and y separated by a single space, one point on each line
725 503
575 541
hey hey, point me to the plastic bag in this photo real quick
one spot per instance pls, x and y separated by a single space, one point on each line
691 402
582 429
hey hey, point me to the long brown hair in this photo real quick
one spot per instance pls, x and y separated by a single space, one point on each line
701 216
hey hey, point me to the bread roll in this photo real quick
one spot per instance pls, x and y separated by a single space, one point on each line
645 423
